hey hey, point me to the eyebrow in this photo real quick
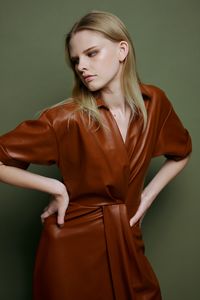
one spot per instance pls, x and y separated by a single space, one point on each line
74 57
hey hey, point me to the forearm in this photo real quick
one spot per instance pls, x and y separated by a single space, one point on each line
25 179
165 174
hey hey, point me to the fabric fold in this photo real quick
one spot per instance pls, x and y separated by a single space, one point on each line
131 274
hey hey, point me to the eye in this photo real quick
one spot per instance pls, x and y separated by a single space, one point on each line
74 61
91 53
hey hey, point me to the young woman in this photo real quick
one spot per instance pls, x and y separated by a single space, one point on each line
102 139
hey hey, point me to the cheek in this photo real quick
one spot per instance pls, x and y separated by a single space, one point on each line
107 64
105 56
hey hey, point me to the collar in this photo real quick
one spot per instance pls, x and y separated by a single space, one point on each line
145 93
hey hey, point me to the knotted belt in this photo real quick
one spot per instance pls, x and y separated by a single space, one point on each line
122 253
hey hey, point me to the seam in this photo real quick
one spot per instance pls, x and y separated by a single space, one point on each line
165 122
6 151
54 133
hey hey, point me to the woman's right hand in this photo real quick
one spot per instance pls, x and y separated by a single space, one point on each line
26 179
59 204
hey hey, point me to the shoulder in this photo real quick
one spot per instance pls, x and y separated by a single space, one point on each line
59 113
151 90
156 95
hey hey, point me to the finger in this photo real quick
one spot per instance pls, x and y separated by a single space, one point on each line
46 208
133 220
44 215
61 215
139 214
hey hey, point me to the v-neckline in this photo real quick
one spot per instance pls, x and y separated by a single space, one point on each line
101 103
119 131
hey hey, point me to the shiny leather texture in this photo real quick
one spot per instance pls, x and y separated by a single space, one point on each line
97 255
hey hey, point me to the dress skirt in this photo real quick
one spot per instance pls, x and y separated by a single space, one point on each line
97 255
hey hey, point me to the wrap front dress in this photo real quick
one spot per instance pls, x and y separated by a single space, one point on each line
97 255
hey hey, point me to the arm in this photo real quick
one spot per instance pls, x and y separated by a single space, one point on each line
167 172
25 179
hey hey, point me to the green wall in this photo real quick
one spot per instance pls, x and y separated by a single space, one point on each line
33 75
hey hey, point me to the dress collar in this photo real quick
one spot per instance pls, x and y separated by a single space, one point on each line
101 103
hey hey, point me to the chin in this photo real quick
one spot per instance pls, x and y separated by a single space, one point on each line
93 88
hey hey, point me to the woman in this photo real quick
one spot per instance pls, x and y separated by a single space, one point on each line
102 139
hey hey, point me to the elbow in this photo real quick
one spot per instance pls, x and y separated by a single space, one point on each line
186 158
184 161
1 170
180 162
1 163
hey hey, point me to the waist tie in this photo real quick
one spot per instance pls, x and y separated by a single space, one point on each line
122 254
121 251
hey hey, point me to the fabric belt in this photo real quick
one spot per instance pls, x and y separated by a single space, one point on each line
124 267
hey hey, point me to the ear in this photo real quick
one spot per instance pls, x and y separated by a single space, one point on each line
123 50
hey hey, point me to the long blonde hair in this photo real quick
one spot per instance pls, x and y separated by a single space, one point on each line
112 28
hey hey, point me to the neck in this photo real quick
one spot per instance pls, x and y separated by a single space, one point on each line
114 98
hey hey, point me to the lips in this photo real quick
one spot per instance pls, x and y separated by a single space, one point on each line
89 77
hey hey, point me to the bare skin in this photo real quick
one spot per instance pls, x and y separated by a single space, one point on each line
107 80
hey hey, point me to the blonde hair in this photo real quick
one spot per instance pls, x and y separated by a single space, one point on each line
112 28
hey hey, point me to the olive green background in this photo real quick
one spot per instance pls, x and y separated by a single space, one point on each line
33 75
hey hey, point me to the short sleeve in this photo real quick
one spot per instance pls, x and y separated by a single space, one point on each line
173 139
32 141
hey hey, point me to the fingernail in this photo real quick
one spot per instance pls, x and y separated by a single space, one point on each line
60 225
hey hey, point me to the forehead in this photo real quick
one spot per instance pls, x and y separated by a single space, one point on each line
85 39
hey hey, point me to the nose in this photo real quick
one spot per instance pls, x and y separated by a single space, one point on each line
82 65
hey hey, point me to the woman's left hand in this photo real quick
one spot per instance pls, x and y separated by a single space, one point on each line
146 201
167 172
139 215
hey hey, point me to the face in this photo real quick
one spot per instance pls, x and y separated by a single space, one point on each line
93 54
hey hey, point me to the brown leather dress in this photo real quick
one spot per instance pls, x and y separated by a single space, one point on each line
97 255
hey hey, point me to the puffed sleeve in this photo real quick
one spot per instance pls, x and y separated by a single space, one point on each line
173 139
32 141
